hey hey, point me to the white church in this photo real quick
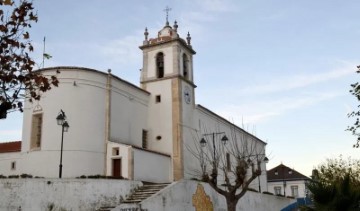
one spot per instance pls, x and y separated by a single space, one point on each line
117 128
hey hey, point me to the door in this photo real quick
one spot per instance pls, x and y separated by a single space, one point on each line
116 169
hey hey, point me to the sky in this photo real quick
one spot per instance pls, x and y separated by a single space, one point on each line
281 69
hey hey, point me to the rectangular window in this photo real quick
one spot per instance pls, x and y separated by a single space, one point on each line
228 162
277 190
158 98
294 191
115 151
144 138
13 165
36 130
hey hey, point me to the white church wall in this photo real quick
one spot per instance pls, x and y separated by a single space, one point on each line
160 117
151 167
129 107
81 94
179 197
6 160
206 122
62 194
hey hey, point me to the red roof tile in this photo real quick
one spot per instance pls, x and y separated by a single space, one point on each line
10 147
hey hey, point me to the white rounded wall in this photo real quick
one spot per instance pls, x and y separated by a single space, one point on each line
81 95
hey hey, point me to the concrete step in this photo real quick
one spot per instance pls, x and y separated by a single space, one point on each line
132 201
139 197
144 188
105 208
144 192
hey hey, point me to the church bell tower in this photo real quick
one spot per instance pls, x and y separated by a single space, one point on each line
167 74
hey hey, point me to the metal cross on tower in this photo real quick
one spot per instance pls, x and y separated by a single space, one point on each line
167 9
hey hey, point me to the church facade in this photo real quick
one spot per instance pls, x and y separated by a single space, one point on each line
120 129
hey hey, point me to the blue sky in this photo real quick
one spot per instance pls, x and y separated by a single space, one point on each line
281 69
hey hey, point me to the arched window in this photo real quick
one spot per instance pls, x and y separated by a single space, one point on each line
160 65
185 66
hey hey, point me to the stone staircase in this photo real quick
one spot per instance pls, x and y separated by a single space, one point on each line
140 194
144 192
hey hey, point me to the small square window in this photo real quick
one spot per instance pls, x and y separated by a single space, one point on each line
13 165
115 151
158 98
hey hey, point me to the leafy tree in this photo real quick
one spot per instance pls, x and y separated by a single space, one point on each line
355 90
229 177
17 78
336 185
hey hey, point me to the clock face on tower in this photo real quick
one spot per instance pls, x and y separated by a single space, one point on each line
187 94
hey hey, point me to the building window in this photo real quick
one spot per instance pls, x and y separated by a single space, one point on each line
144 139
185 66
37 120
115 151
160 65
277 190
294 191
13 165
158 98
228 162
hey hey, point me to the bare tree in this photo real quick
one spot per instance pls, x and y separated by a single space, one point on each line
228 165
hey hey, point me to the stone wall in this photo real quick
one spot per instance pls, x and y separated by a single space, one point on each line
187 194
62 194
91 194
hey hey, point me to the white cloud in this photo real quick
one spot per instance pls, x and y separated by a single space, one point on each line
298 81
260 111
122 51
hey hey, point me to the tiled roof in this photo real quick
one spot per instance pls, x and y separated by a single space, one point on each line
284 173
10 147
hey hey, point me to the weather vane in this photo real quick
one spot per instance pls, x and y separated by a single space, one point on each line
167 9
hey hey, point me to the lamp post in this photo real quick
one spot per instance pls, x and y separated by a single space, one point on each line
61 120
224 140
266 160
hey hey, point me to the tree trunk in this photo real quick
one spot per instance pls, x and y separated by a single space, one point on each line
231 203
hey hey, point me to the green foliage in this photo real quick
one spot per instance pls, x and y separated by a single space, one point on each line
335 169
354 129
17 78
336 185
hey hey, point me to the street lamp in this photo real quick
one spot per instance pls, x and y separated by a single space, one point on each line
266 160
224 140
61 120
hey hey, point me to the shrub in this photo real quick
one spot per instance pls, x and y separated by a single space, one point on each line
26 176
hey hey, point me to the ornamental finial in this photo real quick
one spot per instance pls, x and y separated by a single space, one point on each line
188 38
175 26
146 33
